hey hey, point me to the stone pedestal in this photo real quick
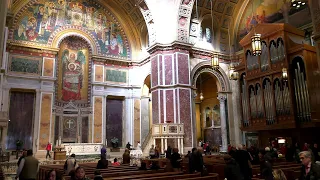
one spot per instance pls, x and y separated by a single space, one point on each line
171 87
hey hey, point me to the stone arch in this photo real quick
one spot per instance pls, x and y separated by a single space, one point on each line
147 15
184 16
58 35
202 67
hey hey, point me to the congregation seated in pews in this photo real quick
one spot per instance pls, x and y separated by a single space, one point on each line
195 165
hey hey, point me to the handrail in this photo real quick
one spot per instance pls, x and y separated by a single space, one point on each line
147 139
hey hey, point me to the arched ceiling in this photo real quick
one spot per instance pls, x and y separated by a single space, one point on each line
223 10
126 11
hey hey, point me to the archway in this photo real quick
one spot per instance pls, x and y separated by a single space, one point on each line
207 109
210 113
146 112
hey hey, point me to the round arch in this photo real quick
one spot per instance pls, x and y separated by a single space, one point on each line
220 75
57 36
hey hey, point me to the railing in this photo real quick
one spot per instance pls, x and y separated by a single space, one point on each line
167 129
147 139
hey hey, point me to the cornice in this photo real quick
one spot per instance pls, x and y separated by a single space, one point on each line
176 45
39 49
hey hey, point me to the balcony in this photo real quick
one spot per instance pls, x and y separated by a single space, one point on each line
167 130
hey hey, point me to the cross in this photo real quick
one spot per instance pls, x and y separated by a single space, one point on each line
69 123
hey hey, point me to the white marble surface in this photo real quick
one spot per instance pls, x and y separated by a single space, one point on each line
82 148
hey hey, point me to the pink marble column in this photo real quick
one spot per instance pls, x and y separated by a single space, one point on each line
171 88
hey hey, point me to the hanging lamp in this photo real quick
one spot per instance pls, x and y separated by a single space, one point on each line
201 94
255 40
233 75
215 56
284 74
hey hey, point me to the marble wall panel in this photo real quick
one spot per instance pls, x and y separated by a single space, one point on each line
48 67
185 115
160 71
161 104
45 117
155 106
114 124
145 122
169 106
183 68
136 121
168 69
98 73
97 121
154 71
21 114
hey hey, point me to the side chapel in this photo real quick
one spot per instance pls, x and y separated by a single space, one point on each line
83 72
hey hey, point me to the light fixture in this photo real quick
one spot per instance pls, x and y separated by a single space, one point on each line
215 57
297 4
255 40
201 96
215 61
256 44
284 74
233 75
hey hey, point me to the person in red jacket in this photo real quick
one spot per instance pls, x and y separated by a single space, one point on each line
48 148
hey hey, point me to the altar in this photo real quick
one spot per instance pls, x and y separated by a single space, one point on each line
82 148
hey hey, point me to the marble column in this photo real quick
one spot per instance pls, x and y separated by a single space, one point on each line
171 87
222 98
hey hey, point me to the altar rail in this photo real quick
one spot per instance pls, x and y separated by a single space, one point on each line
167 129
82 148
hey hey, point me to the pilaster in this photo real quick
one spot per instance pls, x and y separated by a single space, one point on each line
171 87
315 12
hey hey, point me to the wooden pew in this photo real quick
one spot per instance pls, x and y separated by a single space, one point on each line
173 177
210 177
143 176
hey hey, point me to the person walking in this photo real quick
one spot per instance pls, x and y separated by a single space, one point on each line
48 148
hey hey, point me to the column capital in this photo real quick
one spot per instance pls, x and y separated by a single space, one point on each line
176 45
222 97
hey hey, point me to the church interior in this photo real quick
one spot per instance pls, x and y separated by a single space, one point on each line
87 74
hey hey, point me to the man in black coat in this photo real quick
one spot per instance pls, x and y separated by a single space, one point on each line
232 169
309 170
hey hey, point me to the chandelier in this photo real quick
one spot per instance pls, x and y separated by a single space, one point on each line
297 4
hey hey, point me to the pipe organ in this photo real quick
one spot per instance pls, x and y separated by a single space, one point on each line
269 101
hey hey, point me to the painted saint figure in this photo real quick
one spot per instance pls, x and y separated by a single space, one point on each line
72 75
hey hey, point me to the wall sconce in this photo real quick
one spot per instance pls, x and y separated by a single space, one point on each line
215 61
284 74
256 44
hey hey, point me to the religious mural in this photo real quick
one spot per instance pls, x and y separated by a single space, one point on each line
25 65
73 70
116 75
44 17
264 11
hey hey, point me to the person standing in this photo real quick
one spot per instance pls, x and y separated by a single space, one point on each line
104 151
175 160
128 146
71 164
28 168
309 170
48 148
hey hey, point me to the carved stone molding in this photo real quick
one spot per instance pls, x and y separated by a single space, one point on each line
216 73
222 98
179 46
